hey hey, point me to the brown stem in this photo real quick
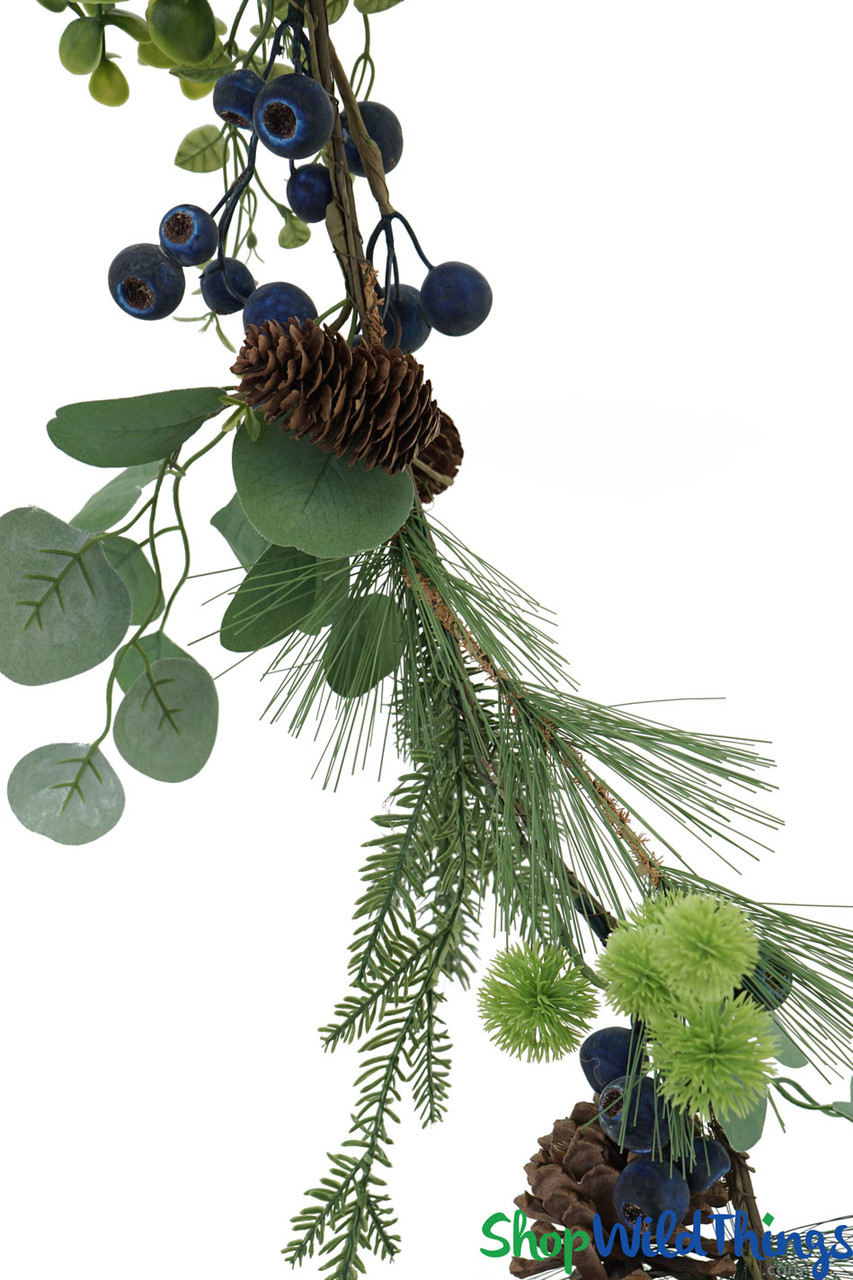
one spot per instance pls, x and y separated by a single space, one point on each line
341 217
743 1198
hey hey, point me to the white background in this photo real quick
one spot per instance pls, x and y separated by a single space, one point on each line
656 420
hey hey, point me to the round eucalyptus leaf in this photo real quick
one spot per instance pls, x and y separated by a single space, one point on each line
744 1131
273 598
66 792
155 645
296 495
365 644
63 608
332 588
166 724
243 540
113 501
132 566
134 429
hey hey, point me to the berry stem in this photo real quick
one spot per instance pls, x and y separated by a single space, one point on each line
742 1197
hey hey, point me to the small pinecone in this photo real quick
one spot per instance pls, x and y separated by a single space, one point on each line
364 402
443 455
571 1178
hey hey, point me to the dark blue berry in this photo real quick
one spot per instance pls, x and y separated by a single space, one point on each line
293 116
644 1121
711 1162
455 298
226 288
278 301
606 1055
145 283
384 128
770 982
405 326
189 235
309 191
646 1188
234 96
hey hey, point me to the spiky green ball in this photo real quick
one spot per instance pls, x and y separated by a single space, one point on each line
721 1056
707 946
637 981
535 1002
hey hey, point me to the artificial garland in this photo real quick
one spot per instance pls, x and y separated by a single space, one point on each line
373 612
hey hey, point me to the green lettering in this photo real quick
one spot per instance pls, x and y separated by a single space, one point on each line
489 1233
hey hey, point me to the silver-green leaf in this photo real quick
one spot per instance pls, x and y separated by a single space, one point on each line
274 597
155 645
66 792
115 499
132 566
246 543
296 495
134 429
365 644
166 724
63 608
788 1053
744 1131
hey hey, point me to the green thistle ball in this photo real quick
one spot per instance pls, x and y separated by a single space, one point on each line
637 981
722 1056
535 1002
706 946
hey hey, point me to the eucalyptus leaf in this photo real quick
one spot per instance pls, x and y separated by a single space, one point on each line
273 598
66 792
166 724
203 150
117 497
133 567
294 232
296 495
788 1053
155 645
846 1108
246 543
365 644
744 1131
375 6
63 608
134 429
332 586
336 9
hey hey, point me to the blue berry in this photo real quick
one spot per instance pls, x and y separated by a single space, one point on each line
189 235
455 298
309 191
219 285
278 301
293 116
711 1162
234 96
145 283
646 1188
770 982
645 1122
384 128
405 326
606 1055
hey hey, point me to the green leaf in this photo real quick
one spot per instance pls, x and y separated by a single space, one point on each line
375 6
744 1131
203 150
294 232
251 423
297 495
132 566
108 84
332 586
243 540
336 9
117 497
364 645
135 429
273 598
166 724
80 46
131 24
63 609
66 792
789 1054
156 645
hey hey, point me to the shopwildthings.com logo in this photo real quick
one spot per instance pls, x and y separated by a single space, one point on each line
639 1240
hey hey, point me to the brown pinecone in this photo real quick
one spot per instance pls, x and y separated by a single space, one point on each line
364 402
571 1178
443 455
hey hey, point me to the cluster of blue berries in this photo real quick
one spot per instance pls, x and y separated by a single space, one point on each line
646 1187
292 116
